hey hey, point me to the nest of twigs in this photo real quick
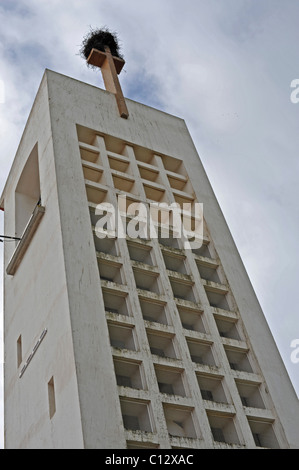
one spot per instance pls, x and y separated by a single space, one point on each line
98 39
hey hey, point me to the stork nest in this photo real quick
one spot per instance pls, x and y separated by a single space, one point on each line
98 39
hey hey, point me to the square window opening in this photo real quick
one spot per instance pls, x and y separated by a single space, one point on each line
263 434
114 302
182 290
170 381
136 415
122 337
147 280
153 311
250 394
162 345
223 428
238 360
180 422
111 272
174 263
191 319
211 388
200 352
227 329
140 253
208 273
129 374
105 245
217 300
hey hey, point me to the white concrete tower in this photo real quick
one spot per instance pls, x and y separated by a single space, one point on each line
123 342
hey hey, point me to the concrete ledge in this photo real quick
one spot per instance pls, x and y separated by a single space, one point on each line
226 445
23 244
141 437
215 287
234 344
228 315
114 287
259 414
186 442
133 393
223 409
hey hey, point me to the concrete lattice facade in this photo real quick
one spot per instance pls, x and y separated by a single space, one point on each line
123 342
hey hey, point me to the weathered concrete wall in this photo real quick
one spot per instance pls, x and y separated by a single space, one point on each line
36 298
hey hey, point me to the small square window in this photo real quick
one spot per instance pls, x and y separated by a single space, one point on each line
129 373
170 380
223 428
162 345
122 337
180 421
136 415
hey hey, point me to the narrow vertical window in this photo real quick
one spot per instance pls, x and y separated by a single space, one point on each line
19 351
51 396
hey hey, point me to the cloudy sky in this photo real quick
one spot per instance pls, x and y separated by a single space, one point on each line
226 67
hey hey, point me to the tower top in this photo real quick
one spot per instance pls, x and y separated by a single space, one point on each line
100 48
